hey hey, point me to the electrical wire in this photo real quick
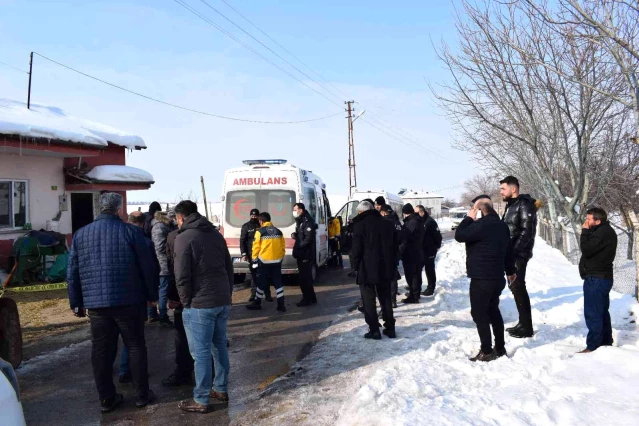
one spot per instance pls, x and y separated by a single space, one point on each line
179 106
17 69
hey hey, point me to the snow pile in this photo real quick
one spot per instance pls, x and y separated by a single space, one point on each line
53 123
119 174
424 376
445 224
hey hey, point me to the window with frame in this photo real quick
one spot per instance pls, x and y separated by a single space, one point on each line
310 202
13 203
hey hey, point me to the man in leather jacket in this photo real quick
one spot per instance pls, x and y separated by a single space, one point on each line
521 218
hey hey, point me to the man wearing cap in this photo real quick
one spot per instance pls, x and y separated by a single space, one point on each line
247 236
111 274
413 254
389 215
379 203
432 243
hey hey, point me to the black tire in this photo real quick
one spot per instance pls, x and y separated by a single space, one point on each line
10 332
239 278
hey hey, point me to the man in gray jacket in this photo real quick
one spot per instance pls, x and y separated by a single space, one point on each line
204 279
161 226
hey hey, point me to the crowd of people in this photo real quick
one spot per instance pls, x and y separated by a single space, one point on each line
125 274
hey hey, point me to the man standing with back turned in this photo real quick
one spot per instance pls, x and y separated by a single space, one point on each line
304 252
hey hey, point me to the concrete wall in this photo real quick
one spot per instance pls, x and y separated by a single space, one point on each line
434 204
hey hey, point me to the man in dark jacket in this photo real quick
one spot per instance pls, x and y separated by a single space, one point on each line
389 215
161 226
521 218
488 255
204 279
247 236
304 252
413 253
374 261
598 251
432 243
111 273
380 202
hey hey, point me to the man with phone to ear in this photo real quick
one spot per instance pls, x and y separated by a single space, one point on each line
488 255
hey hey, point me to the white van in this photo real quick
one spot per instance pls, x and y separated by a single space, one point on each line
457 214
273 186
349 211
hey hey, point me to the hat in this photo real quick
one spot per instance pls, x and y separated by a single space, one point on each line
170 214
479 197
380 201
254 212
370 201
387 209
408 209
110 202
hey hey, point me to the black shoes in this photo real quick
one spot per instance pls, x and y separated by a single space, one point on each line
522 331
304 302
166 322
280 304
390 333
375 335
500 352
255 306
429 292
108 405
410 299
143 402
484 357
177 380
268 297
125 378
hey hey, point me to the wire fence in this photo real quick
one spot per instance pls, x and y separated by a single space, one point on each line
624 267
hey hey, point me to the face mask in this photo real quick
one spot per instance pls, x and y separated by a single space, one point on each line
295 214
255 220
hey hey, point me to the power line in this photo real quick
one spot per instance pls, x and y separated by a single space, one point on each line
179 106
11 66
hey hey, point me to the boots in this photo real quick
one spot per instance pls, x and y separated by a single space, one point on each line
373 334
280 304
252 298
524 331
430 291
516 327
255 306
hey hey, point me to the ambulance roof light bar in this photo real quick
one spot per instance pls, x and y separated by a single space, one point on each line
269 162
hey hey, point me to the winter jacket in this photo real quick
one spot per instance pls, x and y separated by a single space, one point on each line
161 225
521 218
171 290
598 251
269 246
372 253
413 250
488 249
203 266
398 235
334 229
111 264
304 236
247 237
432 236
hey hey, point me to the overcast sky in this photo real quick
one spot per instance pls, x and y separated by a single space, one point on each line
378 53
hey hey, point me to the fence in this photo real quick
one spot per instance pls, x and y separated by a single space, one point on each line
624 267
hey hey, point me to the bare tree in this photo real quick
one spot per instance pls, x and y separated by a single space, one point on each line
449 202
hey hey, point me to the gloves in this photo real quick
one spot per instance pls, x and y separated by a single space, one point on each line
294 235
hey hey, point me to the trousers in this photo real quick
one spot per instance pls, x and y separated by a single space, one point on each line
369 293
520 293
596 305
484 308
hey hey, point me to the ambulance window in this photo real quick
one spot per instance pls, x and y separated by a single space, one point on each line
280 205
239 205
310 201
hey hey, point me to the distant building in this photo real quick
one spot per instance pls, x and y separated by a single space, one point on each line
430 200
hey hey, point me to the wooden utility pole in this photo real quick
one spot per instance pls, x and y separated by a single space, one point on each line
352 174
30 73
206 206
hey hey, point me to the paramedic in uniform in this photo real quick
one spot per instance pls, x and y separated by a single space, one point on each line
304 252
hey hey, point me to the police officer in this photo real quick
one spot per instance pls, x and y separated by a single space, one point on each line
304 252
432 243
389 215
247 237
413 254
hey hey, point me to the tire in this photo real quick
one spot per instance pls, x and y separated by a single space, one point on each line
239 278
10 332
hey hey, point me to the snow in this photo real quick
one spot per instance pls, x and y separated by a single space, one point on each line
424 376
53 123
445 224
119 174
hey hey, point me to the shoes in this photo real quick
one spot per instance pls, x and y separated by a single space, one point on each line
268 297
125 378
390 333
166 322
143 402
280 304
410 299
191 406
360 308
253 297
219 400
429 292
108 405
484 357
177 380
153 319
314 300
500 352
304 302
516 327
585 351
522 332
352 274
255 306
375 335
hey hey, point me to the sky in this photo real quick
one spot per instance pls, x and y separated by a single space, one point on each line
377 53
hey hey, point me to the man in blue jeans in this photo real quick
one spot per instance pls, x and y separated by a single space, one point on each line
204 280
598 250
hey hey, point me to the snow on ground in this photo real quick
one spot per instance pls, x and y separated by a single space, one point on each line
119 174
53 123
424 376
445 224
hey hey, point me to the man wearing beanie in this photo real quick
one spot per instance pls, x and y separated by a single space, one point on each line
379 203
247 236
413 254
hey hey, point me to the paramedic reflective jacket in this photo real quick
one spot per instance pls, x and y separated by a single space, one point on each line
268 245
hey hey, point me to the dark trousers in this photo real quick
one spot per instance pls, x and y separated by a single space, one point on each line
306 279
431 276
394 290
413 273
337 252
183 358
520 293
596 305
266 274
369 293
106 325
484 308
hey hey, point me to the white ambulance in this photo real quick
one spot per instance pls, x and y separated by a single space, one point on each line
273 186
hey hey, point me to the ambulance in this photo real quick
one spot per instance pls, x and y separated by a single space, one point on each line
273 186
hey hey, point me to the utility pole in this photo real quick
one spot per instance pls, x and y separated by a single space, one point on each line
30 72
206 206
352 174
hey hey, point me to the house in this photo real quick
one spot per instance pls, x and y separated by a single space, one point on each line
432 201
53 167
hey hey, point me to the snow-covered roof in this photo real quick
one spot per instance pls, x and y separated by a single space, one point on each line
413 194
53 123
119 174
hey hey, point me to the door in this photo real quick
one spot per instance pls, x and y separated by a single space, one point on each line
81 209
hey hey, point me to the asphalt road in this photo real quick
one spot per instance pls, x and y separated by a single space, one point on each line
57 387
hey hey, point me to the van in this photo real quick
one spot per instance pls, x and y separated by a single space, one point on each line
273 186
349 210
457 214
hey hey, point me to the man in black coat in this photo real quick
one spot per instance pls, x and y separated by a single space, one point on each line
488 255
304 252
374 260
521 218
413 253
247 236
598 251
432 243
389 215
